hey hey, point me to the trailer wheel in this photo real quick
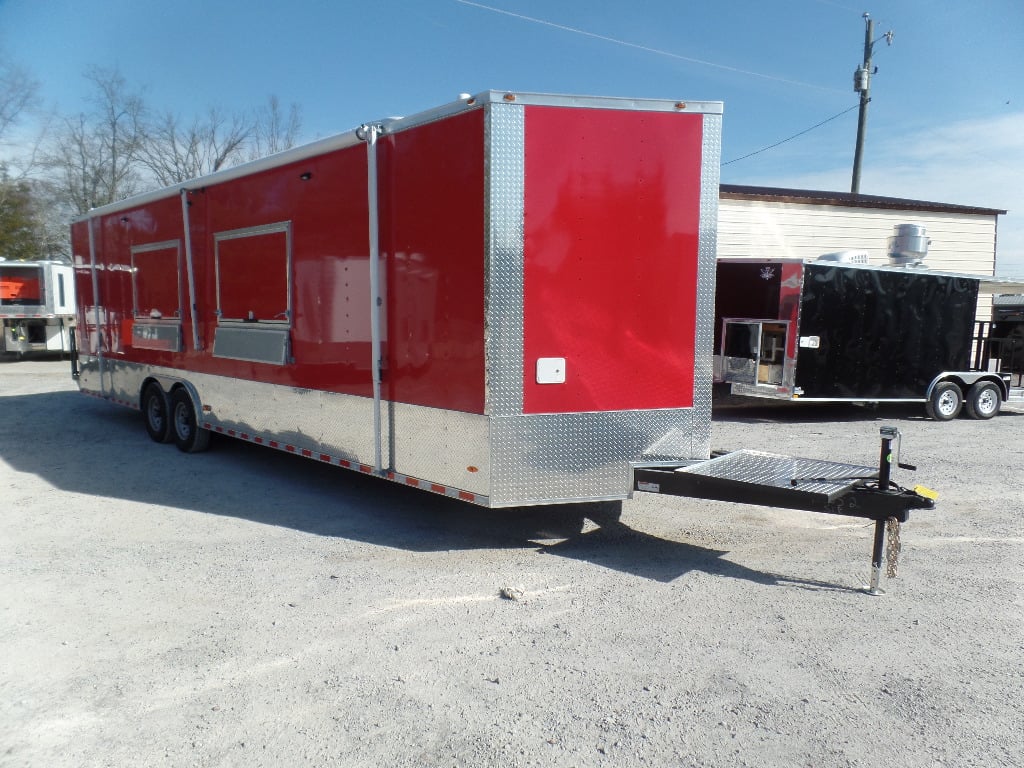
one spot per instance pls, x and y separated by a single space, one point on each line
188 436
155 413
983 400
945 402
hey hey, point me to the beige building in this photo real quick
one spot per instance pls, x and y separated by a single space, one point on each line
793 223
766 221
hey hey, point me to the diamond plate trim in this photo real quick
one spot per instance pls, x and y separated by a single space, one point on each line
505 137
580 456
447 447
829 478
707 252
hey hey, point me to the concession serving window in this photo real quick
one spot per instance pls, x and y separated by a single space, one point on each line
254 311
156 295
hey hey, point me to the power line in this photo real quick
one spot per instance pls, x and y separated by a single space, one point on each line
646 48
838 5
795 135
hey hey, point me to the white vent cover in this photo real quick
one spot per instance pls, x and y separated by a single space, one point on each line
845 257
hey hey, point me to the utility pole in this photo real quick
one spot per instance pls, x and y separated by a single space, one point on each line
862 84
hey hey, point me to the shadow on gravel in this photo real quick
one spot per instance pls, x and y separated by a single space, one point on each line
621 548
99 451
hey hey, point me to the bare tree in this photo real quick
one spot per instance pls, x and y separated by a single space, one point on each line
29 228
115 149
18 92
95 154
273 130
174 152
51 221
76 166
119 131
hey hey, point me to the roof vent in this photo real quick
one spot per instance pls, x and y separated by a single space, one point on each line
908 245
845 257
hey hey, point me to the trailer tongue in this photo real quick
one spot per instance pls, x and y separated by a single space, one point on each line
813 485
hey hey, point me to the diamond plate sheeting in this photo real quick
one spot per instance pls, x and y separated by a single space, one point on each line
505 182
812 476
446 447
122 381
580 456
707 254
89 373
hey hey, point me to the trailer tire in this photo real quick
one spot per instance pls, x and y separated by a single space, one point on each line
945 402
983 400
156 413
185 429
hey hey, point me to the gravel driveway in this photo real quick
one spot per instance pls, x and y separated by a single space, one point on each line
243 607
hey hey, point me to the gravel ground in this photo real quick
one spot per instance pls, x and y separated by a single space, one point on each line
248 608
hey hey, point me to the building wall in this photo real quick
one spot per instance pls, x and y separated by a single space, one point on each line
960 242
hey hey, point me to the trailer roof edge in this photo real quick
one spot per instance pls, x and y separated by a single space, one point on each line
338 141
848 199
350 137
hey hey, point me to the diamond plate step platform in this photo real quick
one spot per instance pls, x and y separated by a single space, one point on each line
814 485
755 477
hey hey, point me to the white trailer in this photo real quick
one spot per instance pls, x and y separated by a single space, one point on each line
37 306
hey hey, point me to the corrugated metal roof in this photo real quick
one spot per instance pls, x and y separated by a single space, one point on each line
782 195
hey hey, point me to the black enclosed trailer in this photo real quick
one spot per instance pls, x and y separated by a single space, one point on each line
830 331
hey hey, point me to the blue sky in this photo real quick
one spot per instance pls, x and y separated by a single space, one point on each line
946 121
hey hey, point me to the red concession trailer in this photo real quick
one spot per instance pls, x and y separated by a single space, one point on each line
507 299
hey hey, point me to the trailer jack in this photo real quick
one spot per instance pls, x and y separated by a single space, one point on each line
813 485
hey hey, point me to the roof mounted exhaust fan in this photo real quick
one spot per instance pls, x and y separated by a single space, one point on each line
908 245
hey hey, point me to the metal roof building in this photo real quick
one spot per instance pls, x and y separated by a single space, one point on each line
771 221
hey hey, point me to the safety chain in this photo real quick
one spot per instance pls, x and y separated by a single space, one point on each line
893 547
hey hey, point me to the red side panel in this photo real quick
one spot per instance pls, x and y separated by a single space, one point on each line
432 225
432 245
322 200
149 277
115 281
612 206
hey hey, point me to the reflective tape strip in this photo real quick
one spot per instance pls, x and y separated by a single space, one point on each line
366 469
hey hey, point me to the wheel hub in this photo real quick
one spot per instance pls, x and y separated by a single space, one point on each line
181 423
947 403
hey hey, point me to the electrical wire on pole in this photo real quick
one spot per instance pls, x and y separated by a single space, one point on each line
862 85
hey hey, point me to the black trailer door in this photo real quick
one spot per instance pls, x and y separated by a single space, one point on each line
882 333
